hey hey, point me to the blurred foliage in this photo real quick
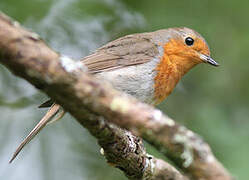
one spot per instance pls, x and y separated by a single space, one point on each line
213 102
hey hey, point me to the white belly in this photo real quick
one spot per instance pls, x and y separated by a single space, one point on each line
137 80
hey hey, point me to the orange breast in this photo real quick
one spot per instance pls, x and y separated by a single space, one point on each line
166 78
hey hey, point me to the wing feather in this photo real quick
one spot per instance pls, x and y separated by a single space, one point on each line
126 51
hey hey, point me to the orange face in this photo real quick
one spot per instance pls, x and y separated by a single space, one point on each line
183 51
189 47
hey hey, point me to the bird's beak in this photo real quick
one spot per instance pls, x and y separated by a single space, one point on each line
208 59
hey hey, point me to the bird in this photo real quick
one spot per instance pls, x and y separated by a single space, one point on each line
146 65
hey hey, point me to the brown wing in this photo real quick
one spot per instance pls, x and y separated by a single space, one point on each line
125 51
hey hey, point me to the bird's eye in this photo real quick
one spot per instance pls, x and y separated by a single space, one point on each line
189 41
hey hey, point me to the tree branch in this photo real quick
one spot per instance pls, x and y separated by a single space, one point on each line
89 100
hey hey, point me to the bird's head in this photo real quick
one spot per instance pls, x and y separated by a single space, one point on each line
183 48
188 47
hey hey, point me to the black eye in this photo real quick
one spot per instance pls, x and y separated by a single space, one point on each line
189 41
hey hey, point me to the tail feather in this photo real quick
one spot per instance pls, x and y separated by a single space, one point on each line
57 117
54 109
46 104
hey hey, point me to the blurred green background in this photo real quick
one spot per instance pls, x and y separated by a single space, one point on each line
212 102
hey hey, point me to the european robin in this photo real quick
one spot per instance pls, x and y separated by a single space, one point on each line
147 66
